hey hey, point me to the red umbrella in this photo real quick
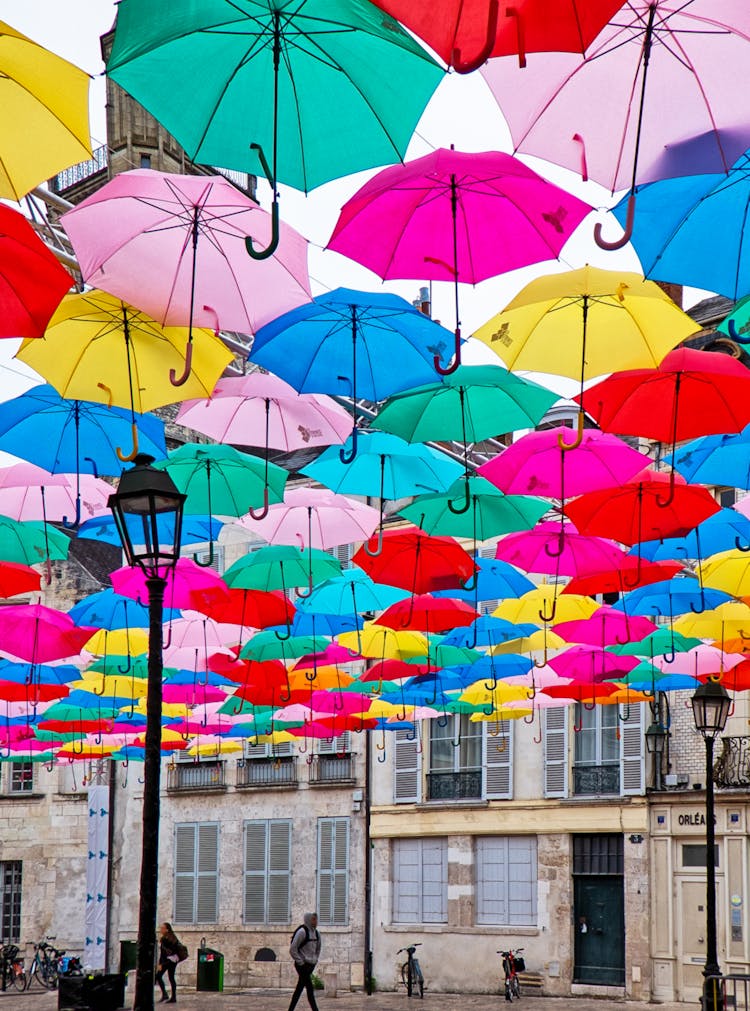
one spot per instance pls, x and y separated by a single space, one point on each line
586 693
253 609
428 614
415 561
16 578
32 282
14 691
465 33
631 572
394 670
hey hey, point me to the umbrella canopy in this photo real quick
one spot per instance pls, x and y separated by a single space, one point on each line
428 614
188 585
551 548
334 69
534 604
494 580
729 571
281 567
45 114
40 634
31 543
31 493
716 459
311 517
605 627
631 571
351 592
417 562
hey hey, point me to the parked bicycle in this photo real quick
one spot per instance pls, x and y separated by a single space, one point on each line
11 968
513 963
411 972
44 966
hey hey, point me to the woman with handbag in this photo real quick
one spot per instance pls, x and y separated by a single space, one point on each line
169 955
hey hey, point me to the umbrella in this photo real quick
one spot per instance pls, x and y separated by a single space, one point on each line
715 459
671 597
194 530
242 407
252 608
652 98
494 580
549 549
726 621
345 343
99 348
313 517
631 570
350 593
383 643
591 664
31 493
724 530
109 610
417 562
466 34
188 585
280 567
729 571
174 245
533 605
488 631
32 281
428 614
31 543
40 634
16 578
45 114
458 217
605 626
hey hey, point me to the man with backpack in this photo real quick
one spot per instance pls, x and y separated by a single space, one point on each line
305 950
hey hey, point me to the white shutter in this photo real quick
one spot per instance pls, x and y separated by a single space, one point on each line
280 749
218 563
506 880
407 881
184 873
632 771
255 871
556 752
340 745
488 606
407 766
498 760
522 880
279 872
325 877
434 880
207 899
340 900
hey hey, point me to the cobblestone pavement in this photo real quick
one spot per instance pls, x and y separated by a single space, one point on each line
278 1000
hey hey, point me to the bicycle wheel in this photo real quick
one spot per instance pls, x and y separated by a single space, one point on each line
508 989
405 975
420 978
47 976
515 987
18 980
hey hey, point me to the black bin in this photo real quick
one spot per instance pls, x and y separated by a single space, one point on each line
128 955
91 993
210 970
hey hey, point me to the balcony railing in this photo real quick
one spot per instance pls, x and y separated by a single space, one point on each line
332 769
266 772
732 767
593 780
84 169
184 776
466 785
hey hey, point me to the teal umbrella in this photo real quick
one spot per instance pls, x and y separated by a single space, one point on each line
279 567
329 87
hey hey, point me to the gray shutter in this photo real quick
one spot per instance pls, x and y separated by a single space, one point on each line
498 760
279 872
343 553
184 873
340 870
340 745
407 785
556 752
255 871
207 899
632 772
407 881
325 860
280 749
434 880
488 606
522 880
492 880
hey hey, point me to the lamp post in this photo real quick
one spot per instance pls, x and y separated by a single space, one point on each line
656 738
144 499
711 705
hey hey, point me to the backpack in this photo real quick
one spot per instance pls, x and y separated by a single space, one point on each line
181 952
302 926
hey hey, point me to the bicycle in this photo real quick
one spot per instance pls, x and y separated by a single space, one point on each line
512 965
411 971
44 965
11 967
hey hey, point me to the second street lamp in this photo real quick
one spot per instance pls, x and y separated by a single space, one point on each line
146 506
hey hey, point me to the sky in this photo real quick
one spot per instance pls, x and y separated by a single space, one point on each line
462 112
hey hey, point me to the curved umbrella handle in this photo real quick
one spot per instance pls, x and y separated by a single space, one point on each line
734 333
565 446
535 739
560 546
188 367
741 547
209 561
77 519
127 668
261 513
626 582
450 369
442 721
546 618
465 505
702 608
263 254
664 503
349 457
627 234
94 468
467 66
283 637
134 452
378 549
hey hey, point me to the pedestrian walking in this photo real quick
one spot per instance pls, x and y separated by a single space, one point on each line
305 950
170 953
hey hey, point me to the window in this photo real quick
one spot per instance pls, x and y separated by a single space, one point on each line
469 760
333 871
145 161
596 767
20 777
695 854
506 879
196 873
268 871
269 765
598 854
420 881
10 901
334 762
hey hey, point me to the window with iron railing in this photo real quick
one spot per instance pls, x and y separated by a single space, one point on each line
184 776
333 762
267 765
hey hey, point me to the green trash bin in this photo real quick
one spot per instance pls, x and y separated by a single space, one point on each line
128 955
210 970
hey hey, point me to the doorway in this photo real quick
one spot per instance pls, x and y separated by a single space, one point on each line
598 910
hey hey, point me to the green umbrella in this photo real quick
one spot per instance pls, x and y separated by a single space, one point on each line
442 655
663 640
330 87
31 543
490 511
279 567
267 646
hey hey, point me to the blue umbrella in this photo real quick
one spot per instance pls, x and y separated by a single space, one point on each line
496 580
506 665
195 529
677 220
671 597
488 631
39 674
355 344
351 592
715 459
724 531
322 624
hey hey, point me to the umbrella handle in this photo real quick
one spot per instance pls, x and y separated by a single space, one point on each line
627 234
94 468
442 720
284 637
734 333
261 514
134 452
263 254
450 369
560 546
47 571
77 519
126 669
467 66
465 505
565 446
348 457
702 608
551 616
741 547
538 740
188 366
663 503
378 550
209 561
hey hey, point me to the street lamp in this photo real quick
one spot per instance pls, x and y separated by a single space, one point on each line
147 508
711 705
656 739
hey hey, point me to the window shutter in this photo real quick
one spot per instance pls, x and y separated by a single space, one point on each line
207 899
217 562
280 749
434 880
340 745
341 872
343 553
279 872
492 880
255 871
632 773
407 786
184 873
325 860
556 752
407 880
488 606
498 760
522 880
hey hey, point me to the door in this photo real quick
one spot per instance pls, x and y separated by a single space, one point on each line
599 924
691 935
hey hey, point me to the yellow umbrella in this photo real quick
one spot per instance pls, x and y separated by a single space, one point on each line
501 713
727 621
380 709
382 643
544 639
114 685
479 694
98 348
44 114
118 642
586 323
728 571
545 600
214 748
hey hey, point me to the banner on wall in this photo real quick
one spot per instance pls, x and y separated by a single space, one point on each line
97 864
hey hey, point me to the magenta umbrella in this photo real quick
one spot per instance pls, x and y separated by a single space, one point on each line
39 634
606 627
587 663
188 585
656 96
454 216
174 246
549 548
28 492
314 518
262 410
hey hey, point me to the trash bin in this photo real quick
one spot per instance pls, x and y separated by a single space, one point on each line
91 993
128 955
210 970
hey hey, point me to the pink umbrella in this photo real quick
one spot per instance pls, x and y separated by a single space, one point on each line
591 664
40 634
339 703
192 695
700 661
28 492
453 216
315 517
175 246
551 548
242 408
188 585
330 656
193 639
606 627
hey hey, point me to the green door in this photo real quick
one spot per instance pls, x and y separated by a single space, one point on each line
599 923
